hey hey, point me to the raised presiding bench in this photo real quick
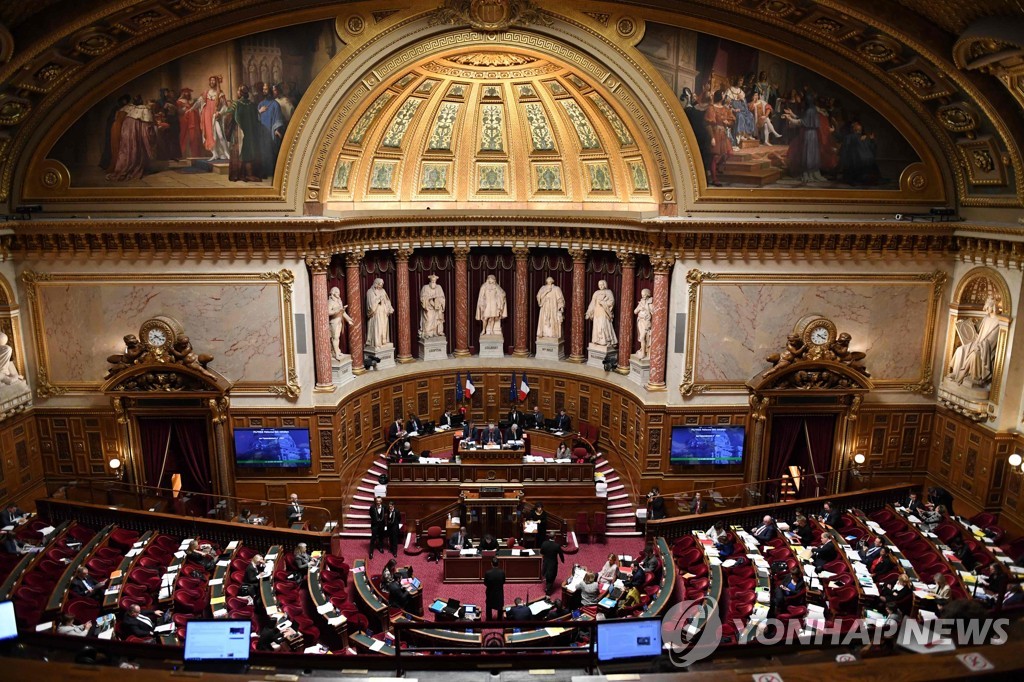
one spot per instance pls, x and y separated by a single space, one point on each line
524 568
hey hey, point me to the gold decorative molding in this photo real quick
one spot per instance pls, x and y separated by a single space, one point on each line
318 264
34 280
696 279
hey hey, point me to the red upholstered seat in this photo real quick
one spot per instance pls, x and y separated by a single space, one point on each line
582 527
122 538
600 527
435 543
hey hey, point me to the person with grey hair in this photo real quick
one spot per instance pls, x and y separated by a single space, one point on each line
301 561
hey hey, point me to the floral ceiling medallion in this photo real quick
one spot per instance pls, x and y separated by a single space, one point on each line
489 16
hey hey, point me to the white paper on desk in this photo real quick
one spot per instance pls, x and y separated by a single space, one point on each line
871 590
44 626
336 620
325 608
913 519
232 545
167 627
173 568
467 552
825 574
853 554
8 527
220 613
272 610
137 544
763 597
377 645
47 530
223 562
515 552
111 590
185 543
165 593
179 554
1017 569
216 581
133 552
167 580
714 561
539 607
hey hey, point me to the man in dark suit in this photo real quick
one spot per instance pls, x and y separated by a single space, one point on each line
492 435
83 584
447 419
832 516
413 424
824 553
804 531
766 531
698 505
657 504
513 433
459 540
552 553
913 505
393 527
397 429
520 611
398 596
141 623
10 516
494 581
378 521
516 417
562 421
538 417
873 550
295 509
251 581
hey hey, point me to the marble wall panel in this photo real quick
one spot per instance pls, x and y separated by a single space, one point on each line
240 324
741 323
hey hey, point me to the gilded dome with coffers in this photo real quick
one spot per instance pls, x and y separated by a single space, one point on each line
512 128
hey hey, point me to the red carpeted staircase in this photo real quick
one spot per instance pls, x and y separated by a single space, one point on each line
621 512
357 516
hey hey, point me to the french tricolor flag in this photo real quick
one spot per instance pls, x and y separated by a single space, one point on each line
524 389
470 388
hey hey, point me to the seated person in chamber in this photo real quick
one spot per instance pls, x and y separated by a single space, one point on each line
139 623
85 586
448 418
698 505
563 452
204 556
492 435
824 553
724 538
256 570
513 433
590 591
557 610
398 596
459 540
520 611
388 574
585 457
301 560
803 531
397 429
413 425
610 571
488 543
516 417
963 553
563 421
766 531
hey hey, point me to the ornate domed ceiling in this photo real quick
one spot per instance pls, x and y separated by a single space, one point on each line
508 127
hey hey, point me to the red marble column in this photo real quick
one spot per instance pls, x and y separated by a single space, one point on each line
402 293
659 320
579 305
355 310
626 306
522 300
461 301
321 322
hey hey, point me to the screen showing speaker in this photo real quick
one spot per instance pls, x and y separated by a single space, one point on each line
269 447
707 444
632 638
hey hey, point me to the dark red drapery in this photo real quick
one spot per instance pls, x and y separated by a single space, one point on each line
153 435
191 445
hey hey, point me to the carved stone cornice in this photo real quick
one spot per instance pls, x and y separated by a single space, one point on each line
521 252
461 252
662 262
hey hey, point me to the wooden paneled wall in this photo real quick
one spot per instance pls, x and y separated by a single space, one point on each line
896 440
21 470
77 444
969 460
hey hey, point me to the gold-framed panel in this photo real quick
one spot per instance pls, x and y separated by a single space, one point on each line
48 386
692 384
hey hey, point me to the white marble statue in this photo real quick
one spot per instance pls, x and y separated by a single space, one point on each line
8 371
601 311
552 310
491 308
975 357
337 311
432 305
644 314
378 309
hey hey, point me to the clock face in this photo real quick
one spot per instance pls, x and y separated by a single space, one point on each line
819 335
156 337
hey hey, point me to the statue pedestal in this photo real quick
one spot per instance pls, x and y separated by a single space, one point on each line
14 397
385 353
969 401
341 370
639 369
492 346
550 349
434 348
597 353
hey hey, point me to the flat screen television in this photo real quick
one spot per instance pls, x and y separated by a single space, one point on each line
8 626
707 445
268 447
217 641
630 638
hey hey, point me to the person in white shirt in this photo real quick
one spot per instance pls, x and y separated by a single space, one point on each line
600 485
67 627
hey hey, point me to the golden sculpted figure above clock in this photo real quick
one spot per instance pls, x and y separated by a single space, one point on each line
814 339
161 340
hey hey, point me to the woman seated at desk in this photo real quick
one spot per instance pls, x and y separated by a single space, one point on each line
488 543
590 591
563 452
610 571
930 520
387 576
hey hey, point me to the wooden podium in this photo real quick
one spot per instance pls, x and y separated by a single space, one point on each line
492 509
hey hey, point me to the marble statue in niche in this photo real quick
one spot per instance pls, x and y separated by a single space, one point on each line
378 310
644 312
491 307
552 310
337 312
8 370
601 311
432 305
973 360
